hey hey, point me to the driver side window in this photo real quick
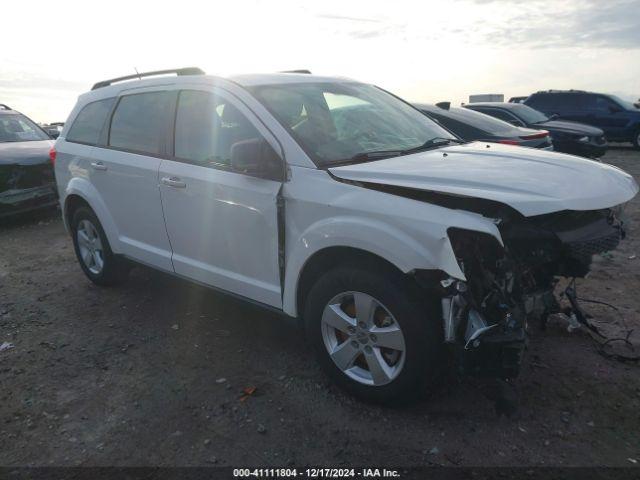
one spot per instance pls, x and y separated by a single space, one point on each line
600 104
207 128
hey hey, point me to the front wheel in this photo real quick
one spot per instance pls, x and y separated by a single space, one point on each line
372 336
636 139
93 251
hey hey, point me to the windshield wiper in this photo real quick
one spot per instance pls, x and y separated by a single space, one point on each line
432 143
366 156
382 154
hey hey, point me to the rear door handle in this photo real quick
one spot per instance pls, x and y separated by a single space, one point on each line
98 166
173 182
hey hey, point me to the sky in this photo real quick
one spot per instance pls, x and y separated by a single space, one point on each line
423 51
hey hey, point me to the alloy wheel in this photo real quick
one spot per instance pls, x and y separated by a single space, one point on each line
90 246
363 338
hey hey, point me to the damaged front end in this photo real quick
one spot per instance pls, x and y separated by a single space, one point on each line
508 286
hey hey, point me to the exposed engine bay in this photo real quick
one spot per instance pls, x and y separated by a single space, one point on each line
510 286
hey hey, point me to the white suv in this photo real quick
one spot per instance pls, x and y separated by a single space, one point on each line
338 203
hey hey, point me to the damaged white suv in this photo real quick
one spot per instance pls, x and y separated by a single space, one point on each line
335 202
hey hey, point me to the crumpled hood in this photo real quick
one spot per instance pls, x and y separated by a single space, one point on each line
25 153
566 126
531 181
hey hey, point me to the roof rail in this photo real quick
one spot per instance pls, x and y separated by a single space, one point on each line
177 71
308 72
553 90
5 107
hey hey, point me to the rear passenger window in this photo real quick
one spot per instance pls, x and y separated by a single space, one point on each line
207 127
88 124
139 121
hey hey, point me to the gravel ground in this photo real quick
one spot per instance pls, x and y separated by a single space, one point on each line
153 372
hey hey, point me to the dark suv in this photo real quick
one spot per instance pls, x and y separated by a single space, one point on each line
619 119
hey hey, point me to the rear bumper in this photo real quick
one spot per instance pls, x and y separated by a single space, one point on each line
18 201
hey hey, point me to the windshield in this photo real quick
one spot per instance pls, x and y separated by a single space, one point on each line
528 114
335 122
18 128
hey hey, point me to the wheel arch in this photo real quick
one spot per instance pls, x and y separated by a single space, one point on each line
81 192
329 257
71 203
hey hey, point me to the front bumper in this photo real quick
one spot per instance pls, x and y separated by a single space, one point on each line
498 354
18 201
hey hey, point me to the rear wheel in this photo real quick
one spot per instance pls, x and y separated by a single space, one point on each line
372 336
92 249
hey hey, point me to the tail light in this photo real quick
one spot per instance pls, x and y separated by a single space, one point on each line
510 142
533 136
52 156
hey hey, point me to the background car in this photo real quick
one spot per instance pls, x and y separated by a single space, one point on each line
26 174
619 119
470 125
53 129
568 137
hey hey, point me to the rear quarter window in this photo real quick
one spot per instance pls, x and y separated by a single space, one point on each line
88 124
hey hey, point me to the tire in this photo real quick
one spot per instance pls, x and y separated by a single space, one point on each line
103 267
408 373
636 140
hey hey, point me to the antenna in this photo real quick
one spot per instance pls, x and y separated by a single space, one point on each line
137 73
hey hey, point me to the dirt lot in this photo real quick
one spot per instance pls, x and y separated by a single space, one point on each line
134 376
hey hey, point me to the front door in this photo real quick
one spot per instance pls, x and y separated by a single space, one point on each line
222 224
605 114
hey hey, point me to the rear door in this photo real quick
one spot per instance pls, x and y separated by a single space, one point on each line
564 105
124 169
570 106
223 225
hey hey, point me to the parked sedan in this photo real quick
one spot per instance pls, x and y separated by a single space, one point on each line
26 174
568 137
470 125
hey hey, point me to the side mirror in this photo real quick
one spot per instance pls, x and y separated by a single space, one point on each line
53 133
516 122
553 116
255 157
614 109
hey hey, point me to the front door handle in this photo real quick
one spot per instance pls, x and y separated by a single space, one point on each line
173 182
98 166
